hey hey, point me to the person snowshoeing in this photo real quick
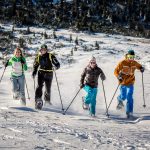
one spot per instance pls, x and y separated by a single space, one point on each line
19 65
89 82
125 74
43 64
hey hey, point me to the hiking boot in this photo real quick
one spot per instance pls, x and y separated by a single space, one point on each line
129 115
93 115
16 96
23 101
38 104
84 105
120 105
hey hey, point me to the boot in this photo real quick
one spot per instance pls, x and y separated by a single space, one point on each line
23 101
84 105
120 105
129 115
38 104
16 96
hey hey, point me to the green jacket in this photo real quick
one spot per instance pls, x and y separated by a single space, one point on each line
17 67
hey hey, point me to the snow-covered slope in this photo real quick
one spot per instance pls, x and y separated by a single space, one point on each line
24 128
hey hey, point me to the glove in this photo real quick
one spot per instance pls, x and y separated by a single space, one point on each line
103 78
81 86
120 77
142 69
57 67
6 64
22 61
33 74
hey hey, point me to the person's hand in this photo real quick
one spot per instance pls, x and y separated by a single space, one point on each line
33 74
81 86
103 78
120 77
6 64
142 69
57 67
22 61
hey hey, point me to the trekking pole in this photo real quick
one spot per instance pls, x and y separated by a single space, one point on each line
105 99
144 105
2 74
113 97
58 90
27 88
71 102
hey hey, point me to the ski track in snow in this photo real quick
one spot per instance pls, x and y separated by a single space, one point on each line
23 128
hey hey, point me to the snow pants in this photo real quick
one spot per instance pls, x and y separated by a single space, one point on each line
90 98
18 86
126 92
44 77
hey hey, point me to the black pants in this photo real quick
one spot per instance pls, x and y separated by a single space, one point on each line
44 77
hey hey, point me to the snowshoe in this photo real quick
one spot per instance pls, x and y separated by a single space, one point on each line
84 105
39 104
120 105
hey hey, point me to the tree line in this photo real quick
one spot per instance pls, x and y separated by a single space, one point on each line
127 17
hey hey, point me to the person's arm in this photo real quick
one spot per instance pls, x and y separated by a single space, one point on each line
118 69
23 61
8 63
55 61
102 75
82 78
35 66
139 66
118 72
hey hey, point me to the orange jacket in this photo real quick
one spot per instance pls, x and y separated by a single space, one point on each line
127 68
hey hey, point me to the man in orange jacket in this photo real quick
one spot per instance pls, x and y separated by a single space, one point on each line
125 74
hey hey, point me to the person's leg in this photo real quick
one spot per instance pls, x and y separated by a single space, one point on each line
21 82
87 99
123 93
129 106
93 101
15 87
48 82
40 82
122 96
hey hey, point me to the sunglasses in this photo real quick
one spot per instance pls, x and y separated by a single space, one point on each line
130 56
92 62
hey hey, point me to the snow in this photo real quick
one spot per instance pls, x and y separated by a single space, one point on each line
26 128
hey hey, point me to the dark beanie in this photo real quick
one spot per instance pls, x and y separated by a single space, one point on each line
130 52
44 46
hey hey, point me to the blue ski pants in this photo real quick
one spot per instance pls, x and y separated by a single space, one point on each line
90 98
126 92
